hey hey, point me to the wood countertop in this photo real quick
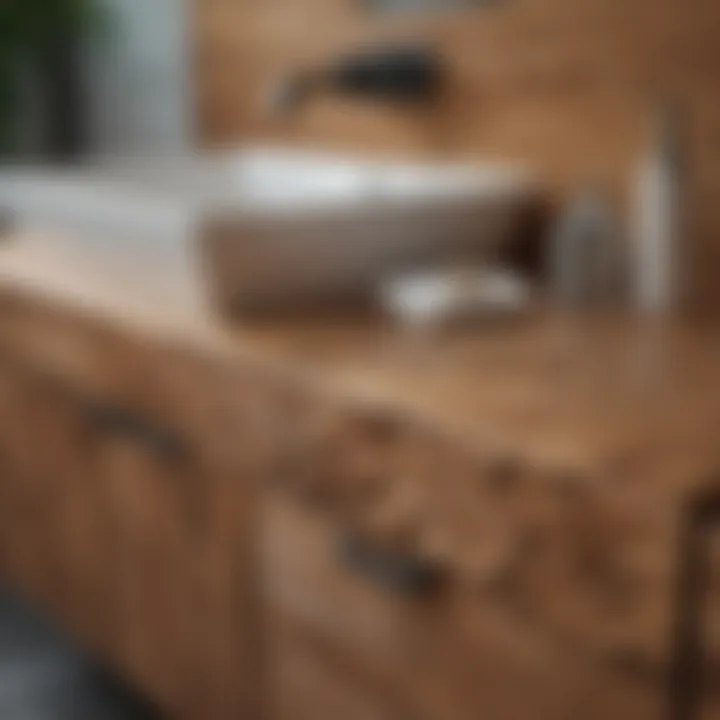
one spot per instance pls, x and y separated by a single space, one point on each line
596 393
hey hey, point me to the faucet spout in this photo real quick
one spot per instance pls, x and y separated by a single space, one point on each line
401 75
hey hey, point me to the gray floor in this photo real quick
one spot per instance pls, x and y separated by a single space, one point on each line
43 678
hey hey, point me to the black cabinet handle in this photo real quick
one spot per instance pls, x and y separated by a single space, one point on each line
108 417
399 572
685 682
120 421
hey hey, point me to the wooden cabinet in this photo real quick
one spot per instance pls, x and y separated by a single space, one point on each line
343 642
126 509
153 551
395 608
241 545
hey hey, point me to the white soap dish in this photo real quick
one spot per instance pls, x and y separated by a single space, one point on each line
446 295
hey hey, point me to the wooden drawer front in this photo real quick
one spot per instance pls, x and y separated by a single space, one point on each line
459 652
308 682
465 662
537 537
304 580
484 646
449 656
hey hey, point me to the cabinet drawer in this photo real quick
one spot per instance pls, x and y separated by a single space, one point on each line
459 652
311 682
466 660
483 648
451 656
305 580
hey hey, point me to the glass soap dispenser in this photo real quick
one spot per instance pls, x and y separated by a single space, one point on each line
658 267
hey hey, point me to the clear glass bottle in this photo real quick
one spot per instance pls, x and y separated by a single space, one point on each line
658 233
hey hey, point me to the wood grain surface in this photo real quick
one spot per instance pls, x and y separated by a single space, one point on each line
177 493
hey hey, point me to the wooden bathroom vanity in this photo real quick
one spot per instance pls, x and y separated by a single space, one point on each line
324 519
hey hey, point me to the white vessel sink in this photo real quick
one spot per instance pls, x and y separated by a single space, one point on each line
261 226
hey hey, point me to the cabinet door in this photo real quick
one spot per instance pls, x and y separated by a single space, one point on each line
75 522
24 551
11 397
42 450
219 407
154 514
54 529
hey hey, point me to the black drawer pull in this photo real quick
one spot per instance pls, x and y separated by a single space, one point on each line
685 686
134 427
402 573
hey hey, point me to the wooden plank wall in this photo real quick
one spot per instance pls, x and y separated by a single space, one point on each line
567 85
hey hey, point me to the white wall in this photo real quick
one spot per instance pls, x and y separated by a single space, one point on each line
139 73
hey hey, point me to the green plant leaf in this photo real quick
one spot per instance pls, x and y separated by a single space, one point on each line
27 29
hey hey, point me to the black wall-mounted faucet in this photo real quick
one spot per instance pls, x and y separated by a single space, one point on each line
403 75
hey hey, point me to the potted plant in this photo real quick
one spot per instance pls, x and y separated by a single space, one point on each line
41 38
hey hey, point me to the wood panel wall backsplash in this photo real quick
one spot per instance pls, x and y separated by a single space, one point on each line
566 85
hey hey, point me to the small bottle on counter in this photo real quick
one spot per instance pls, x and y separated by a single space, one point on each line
584 260
658 223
